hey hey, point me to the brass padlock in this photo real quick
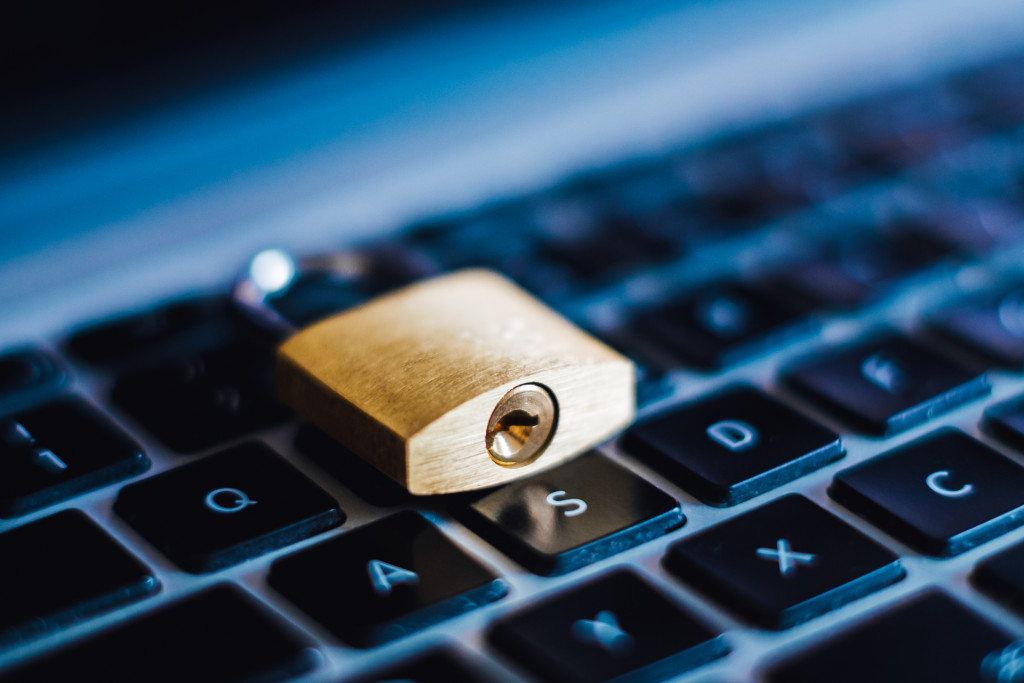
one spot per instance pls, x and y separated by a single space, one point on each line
456 383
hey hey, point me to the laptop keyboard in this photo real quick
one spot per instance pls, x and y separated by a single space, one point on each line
825 482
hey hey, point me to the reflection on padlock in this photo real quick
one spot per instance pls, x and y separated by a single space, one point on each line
456 383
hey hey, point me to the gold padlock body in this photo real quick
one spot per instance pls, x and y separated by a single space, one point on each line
410 380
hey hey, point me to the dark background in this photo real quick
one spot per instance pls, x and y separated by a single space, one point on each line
68 65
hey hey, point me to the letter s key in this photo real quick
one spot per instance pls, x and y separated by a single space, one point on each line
579 506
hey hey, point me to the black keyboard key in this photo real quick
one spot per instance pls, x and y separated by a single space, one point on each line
573 515
886 132
941 494
315 295
745 206
218 635
186 324
343 280
385 580
781 166
619 248
652 380
783 563
930 639
996 91
27 373
468 242
746 182
977 225
63 569
201 400
886 386
723 324
58 450
614 626
1002 577
433 667
1006 421
992 328
361 477
227 508
733 446
861 269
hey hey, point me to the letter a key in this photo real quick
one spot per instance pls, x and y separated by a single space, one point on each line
383 576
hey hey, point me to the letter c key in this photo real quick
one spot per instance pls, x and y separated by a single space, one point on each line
935 483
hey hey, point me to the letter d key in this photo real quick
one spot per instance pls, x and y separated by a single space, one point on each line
735 435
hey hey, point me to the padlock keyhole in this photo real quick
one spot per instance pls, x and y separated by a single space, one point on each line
512 432
521 425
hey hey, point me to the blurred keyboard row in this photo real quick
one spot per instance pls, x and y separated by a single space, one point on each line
195 396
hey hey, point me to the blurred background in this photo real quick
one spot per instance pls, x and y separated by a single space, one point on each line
135 138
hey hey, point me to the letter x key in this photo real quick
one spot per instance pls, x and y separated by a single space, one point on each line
727 562
604 631
787 559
